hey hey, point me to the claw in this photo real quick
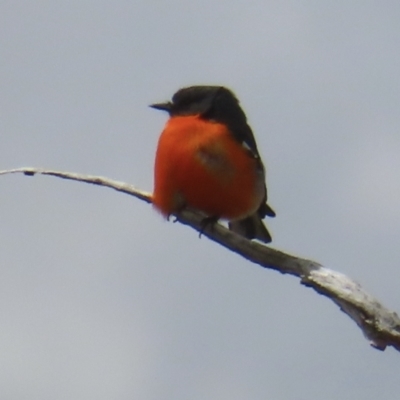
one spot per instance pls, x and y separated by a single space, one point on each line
207 221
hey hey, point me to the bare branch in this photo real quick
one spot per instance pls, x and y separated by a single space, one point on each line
95 180
379 325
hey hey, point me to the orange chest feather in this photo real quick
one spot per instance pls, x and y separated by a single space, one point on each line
199 163
194 144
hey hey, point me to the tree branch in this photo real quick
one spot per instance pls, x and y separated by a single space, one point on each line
379 325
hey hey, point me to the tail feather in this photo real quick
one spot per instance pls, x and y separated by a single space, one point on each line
252 228
265 210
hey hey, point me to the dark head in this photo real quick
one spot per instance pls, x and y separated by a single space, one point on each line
214 103
210 102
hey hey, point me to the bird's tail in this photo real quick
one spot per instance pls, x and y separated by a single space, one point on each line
252 227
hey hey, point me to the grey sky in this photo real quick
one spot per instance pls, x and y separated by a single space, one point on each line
102 299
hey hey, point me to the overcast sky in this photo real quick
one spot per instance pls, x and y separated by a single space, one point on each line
100 298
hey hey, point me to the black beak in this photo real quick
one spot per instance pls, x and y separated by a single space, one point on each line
162 106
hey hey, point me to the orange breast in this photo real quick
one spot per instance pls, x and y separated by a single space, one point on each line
200 165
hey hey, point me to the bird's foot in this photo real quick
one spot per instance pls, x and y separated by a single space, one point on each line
207 222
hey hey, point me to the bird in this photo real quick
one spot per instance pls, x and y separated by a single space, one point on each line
207 160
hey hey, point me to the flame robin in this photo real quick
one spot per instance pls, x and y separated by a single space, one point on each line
207 159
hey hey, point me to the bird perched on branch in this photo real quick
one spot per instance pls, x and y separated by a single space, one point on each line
207 159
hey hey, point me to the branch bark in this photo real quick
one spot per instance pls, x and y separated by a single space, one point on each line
378 324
